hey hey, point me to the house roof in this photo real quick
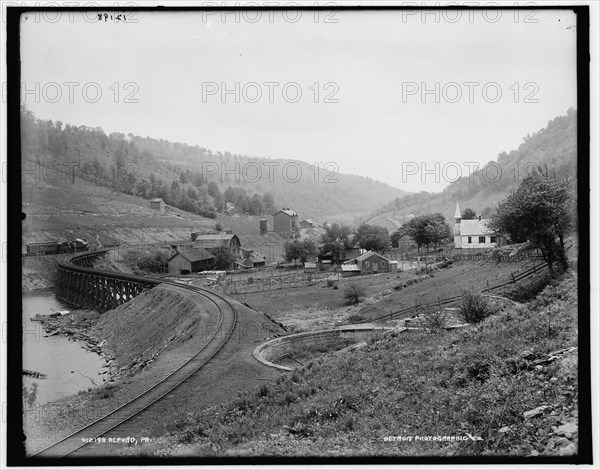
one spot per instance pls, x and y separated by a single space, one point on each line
156 199
308 220
350 268
252 256
193 255
214 240
287 212
310 265
368 254
475 227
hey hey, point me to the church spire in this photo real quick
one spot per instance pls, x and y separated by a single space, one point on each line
457 214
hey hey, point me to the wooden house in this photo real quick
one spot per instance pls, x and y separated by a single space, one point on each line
191 261
371 263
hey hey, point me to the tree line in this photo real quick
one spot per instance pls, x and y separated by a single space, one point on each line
118 162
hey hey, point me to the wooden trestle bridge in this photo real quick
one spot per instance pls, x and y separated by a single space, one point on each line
80 284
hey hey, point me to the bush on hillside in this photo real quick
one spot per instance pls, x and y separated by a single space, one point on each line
475 307
354 293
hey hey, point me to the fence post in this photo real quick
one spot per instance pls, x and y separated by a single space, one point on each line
488 284
512 275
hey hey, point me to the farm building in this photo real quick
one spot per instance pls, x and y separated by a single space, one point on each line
157 204
211 241
370 263
343 255
350 269
307 223
251 259
474 233
285 223
191 261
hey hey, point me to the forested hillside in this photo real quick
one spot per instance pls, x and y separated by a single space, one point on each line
193 178
553 147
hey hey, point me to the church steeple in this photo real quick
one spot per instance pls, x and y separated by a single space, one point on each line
457 214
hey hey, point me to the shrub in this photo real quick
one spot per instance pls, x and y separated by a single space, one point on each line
474 307
355 318
354 293
435 320
525 291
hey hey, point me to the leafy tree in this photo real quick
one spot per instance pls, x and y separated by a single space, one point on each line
223 257
218 227
468 214
336 238
299 250
428 229
539 211
372 237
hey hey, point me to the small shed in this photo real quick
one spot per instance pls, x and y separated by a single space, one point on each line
350 269
157 204
191 261
310 267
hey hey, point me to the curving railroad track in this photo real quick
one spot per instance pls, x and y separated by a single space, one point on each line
86 435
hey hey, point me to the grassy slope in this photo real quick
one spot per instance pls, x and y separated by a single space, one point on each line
475 381
63 211
308 308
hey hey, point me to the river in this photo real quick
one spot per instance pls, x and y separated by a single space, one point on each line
69 368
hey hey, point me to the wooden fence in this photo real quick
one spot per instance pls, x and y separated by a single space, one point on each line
414 310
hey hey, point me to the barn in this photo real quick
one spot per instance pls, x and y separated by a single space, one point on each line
212 241
191 261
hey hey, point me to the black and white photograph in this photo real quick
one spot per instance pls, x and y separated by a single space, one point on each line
291 233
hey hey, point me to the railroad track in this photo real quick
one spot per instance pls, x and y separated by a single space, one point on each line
86 435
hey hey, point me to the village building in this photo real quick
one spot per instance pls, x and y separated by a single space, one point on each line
367 263
345 254
157 204
474 233
285 223
191 261
310 267
211 241
250 259
307 223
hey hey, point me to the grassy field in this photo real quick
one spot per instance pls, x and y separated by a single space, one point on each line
318 307
495 381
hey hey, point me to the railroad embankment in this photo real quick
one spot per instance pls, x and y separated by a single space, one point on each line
147 339
39 271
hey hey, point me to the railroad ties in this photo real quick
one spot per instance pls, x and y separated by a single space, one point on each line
79 284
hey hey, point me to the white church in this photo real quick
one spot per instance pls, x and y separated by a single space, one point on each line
474 233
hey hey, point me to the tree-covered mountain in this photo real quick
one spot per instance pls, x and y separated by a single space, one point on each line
194 178
554 147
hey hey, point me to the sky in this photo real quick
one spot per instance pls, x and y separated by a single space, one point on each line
404 97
